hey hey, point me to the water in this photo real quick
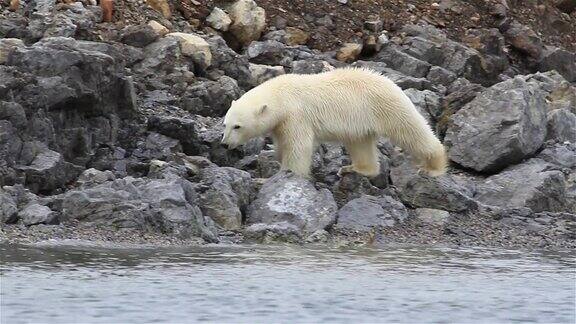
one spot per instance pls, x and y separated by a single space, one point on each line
89 284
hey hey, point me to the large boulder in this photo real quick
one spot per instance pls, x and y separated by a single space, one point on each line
223 193
8 208
35 214
248 21
161 205
370 213
535 184
195 47
432 46
421 191
288 198
501 126
211 98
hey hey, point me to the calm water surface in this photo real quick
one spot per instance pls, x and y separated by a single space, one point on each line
67 283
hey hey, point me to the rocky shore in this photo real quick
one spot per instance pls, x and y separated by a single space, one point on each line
110 131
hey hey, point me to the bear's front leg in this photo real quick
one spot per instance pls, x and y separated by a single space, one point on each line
297 150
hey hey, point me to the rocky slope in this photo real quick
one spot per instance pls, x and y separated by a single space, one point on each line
111 130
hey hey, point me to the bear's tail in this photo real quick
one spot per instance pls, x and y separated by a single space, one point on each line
436 161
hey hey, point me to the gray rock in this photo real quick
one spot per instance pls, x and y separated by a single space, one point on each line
48 171
402 62
431 45
161 56
501 126
219 19
270 53
139 35
535 184
8 208
211 98
370 213
248 21
223 194
289 198
421 191
91 177
561 126
182 129
161 205
402 80
310 66
438 75
427 103
522 38
262 73
35 214
561 60
561 155
231 63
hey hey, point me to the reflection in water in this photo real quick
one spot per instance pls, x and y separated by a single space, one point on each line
91 284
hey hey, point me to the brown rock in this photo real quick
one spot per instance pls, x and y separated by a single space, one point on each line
296 36
568 6
248 21
522 38
161 6
107 10
349 52
14 5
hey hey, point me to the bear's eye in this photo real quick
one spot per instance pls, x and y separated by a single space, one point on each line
236 126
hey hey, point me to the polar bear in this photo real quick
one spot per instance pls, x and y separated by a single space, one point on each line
351 106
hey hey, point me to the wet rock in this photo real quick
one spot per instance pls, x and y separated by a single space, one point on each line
369 213
6 45
522 38
270 53
211 98
223 194
310 66
161 205
194 47
432 216
349 52
219 19
501 126
262 73
8 208
273 233
421 191
248 21
535 184
91 177
561 126
182 129
289 198
139 35
561 60
35 214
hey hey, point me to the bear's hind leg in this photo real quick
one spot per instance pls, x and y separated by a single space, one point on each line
364 156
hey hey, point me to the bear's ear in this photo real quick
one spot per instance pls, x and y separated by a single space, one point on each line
262 109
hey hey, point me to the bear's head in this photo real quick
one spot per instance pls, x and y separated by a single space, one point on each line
247 119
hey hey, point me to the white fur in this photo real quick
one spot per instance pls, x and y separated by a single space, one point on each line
350 106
